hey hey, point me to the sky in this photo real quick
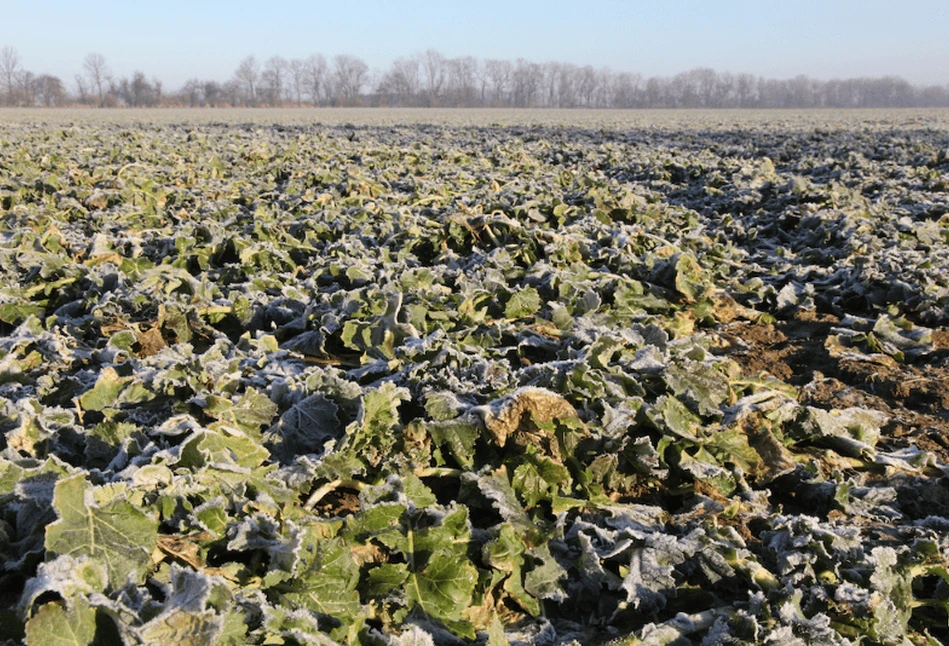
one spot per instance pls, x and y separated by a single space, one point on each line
175 40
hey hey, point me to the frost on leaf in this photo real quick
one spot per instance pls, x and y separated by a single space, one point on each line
189 615
305 428
691 281
443 588
72 624
438 384
506 417
850 431
177 626
67 577
372 436
115 533
327 583
414 636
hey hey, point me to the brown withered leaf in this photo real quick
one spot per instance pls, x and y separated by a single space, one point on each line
183 549
150 342
506 416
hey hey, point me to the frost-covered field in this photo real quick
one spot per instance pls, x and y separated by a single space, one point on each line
872 119
403 377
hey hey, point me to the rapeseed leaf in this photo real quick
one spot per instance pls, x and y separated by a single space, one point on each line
113 532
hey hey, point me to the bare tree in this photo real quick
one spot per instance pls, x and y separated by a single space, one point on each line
297 72
551 72
800 92
433 64
499 71
98 73
273 79
350 74
9 66
725 91
744 90
481 75
316 80
625 90
586 84
232 93
933 96
25 88
567 86
82 91
461 79
248 76
139 92
213 93
526 80
50 91
703 81
402 81
192 92
431 79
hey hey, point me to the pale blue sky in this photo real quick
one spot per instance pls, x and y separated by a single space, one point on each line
176 39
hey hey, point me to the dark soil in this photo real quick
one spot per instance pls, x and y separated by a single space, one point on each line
914 394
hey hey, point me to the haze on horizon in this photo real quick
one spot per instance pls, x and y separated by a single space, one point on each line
177 40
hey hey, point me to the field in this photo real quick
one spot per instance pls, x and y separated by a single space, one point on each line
499 377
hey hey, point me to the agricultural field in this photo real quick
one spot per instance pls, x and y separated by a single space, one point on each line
409 378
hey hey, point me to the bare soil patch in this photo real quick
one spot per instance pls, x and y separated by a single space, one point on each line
914 394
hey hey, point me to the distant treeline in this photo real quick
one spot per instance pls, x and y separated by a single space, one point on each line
431 79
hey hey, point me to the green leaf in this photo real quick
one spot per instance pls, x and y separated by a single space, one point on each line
911 340
67 577
452 533
116 533
13 313
496 488
443 589
375 520
459 435
690 279
650 579
496 636
328 584
210 447
850 431
669 415
701 386
250 413
305 427
106 391
523 302
543 580
601 352
632 298
417 492
105 439
539 478
894 586
443 406
506 554
212 516
178 626
56 625
413 636
387 578
372 436
731 446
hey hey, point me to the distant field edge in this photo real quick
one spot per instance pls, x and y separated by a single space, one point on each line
606 118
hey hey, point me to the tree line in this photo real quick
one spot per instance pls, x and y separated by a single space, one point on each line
431 79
